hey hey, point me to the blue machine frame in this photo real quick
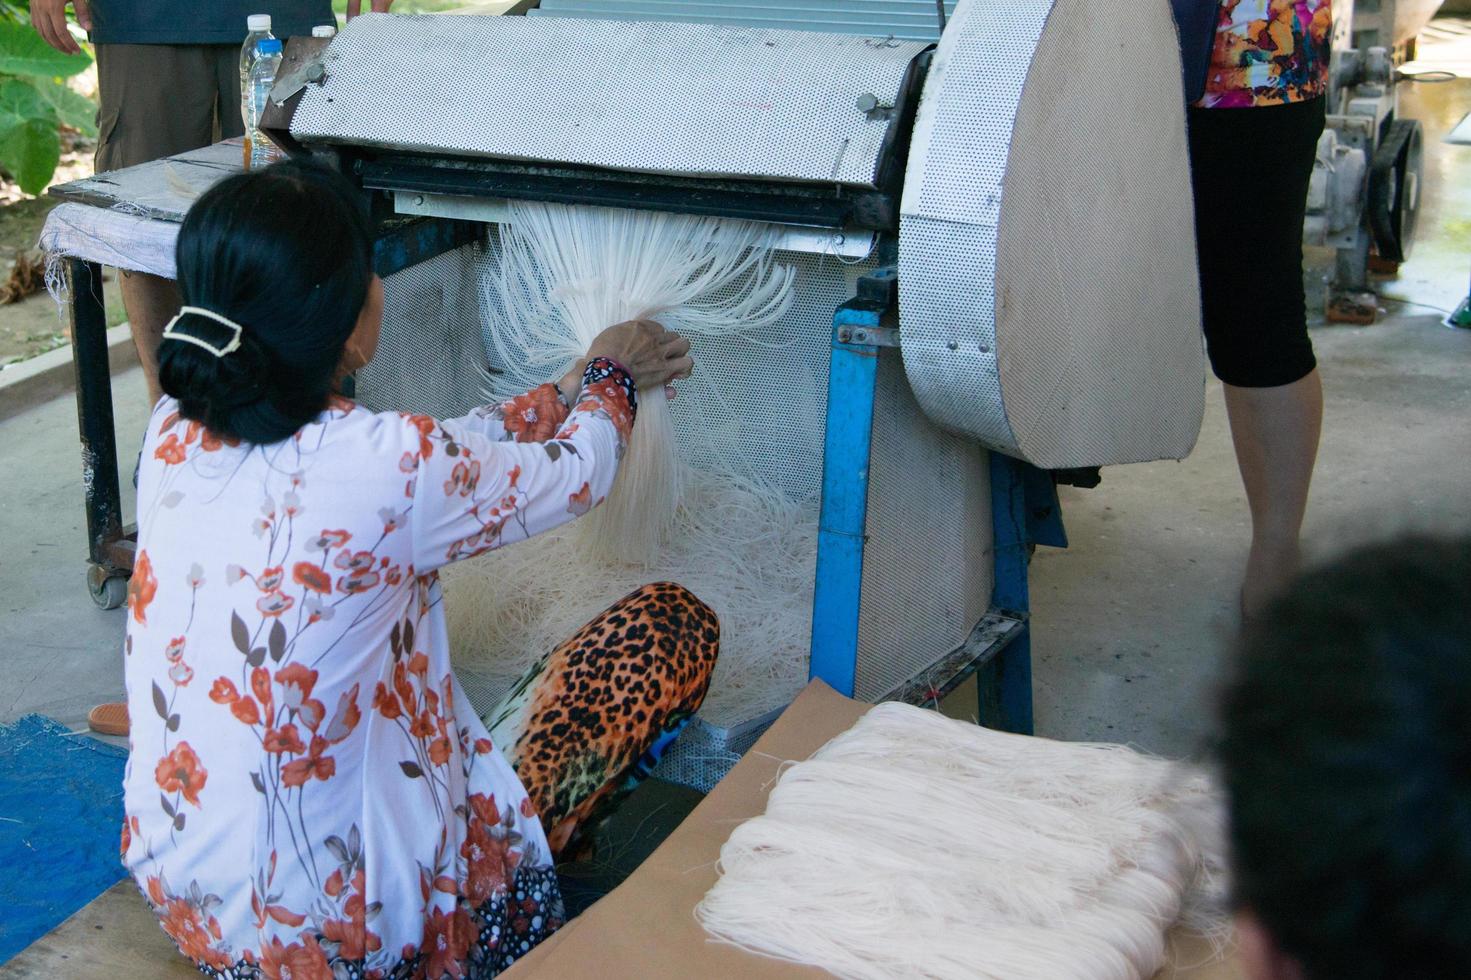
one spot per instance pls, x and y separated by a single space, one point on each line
1024 513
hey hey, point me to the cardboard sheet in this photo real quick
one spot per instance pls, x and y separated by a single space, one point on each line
646 928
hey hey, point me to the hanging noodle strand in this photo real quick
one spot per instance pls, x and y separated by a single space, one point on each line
721 530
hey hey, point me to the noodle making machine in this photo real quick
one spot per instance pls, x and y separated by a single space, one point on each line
994 254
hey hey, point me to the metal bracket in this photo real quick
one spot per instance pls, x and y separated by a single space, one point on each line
869 336
304 64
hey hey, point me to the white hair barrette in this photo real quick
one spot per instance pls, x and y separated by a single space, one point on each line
170 333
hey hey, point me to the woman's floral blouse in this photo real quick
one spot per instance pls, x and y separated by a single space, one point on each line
309 795
1269 52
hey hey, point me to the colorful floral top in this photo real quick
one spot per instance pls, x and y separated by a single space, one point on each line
1269 52
309 794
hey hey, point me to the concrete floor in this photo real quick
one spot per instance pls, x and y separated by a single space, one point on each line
1131 620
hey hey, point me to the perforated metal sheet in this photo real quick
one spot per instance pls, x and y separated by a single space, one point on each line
913 20
668 98
1049 298
761 399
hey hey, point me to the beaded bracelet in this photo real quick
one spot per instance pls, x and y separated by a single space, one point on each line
607 369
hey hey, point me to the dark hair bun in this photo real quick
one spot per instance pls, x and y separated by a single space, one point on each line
286 253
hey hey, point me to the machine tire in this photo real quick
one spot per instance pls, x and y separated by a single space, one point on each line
108 590
1395 176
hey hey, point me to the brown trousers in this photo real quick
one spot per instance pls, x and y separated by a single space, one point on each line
162 99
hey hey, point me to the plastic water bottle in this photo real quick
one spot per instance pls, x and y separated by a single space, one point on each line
259 28
259 150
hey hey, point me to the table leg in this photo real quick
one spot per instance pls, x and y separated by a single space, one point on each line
106 576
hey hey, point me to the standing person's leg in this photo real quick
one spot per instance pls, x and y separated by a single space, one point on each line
593 717
1251 169
157 100
1275 431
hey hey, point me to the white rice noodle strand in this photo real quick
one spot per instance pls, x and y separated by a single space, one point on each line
914 845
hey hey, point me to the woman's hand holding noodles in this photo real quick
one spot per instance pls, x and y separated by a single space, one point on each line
653 355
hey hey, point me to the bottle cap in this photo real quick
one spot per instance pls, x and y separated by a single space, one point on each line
256 23
269 45
324 30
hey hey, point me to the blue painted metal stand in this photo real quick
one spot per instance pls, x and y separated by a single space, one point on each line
1024 513
844 520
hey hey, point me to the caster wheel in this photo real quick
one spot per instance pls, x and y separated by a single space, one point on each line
107 589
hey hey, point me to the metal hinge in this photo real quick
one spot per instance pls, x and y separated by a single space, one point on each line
869 336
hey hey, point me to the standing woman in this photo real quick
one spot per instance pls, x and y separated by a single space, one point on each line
309 794
1253 138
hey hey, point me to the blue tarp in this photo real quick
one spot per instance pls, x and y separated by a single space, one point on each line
61 814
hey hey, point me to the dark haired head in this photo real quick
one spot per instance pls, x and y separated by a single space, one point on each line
286 253
1346 753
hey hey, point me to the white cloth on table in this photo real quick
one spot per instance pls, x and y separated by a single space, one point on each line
110 237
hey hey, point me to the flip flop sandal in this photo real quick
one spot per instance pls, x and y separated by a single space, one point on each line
109 719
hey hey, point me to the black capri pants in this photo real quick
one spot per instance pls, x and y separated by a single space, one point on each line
1250 170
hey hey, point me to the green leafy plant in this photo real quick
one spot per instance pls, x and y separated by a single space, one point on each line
35 102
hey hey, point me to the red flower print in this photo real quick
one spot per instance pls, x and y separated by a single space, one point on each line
297 683
426 427
223 691
408 463
419 664
174 652
127 841
246 710
282 740
212 443
359 562
580 502
331 539
386 702
355 939
485 872
311 576
274 603
142 587
300 961
446 942
171 451
423 726
439 751
393 576
358 582
392 521
402 686
260 686
613 400
192 933
180 772
483 746
181 674
169 421
346 717
314 766
270 579
534 416
528 809
483 808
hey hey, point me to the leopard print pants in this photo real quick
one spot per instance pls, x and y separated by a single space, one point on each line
592 717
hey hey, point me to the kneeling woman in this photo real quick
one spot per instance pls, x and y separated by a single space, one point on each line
309 794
